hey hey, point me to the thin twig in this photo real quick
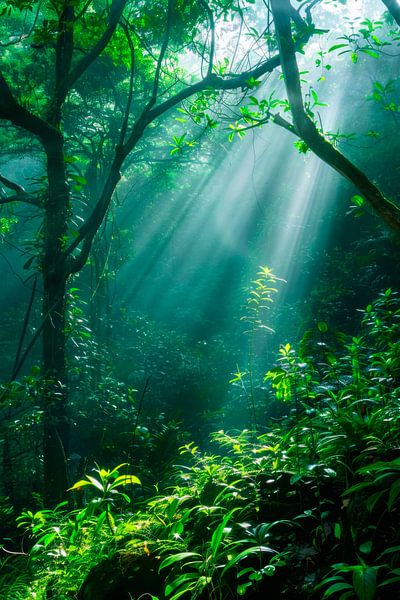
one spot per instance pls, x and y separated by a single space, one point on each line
25 325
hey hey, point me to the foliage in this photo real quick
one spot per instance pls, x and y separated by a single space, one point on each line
307 507
306 503
258 303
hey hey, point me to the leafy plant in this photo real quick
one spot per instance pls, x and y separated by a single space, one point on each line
107 492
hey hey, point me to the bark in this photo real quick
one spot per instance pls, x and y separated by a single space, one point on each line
306 129
20 194
56 427
393 7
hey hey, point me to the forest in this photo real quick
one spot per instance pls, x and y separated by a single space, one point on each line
200 319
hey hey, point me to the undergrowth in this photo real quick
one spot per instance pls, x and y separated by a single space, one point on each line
305 508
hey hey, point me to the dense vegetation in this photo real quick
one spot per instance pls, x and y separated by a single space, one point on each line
175 420
307 509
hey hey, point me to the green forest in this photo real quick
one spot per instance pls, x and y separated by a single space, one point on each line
200 319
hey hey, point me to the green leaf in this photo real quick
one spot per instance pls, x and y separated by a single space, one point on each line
181 556
366 547
337 531
245 553
391 550
179 581
301 146
336 587
337 46
219 533
364 582
374 498
79 484
243 587
79 179
357 487
100 520
125 480
115 469
43 542
357 200
97 484
372 53
380 465
70 159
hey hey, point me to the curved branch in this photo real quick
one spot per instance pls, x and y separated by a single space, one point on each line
21 194
308 5
163 50
212 30
11 110
307 130
240 81
116 10
216 83
11 185
131 46
394 8
90 227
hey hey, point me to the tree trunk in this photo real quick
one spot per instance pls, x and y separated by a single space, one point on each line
394 9
55 398
56 427
306 129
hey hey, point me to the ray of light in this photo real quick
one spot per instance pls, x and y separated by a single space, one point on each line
261 204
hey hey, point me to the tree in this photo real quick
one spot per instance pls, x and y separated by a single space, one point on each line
112 71
70 38
305 128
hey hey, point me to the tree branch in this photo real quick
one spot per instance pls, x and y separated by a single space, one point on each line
20 196
212 31
24 329
88 230
308 5
163 50
307 130
216 83
11 110
394 8
125 121
279 120
64 52
115 14
11 185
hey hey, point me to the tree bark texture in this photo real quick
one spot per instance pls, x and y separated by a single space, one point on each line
393 7
56 428
306 129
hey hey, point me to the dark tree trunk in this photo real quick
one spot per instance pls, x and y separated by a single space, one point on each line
56 426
